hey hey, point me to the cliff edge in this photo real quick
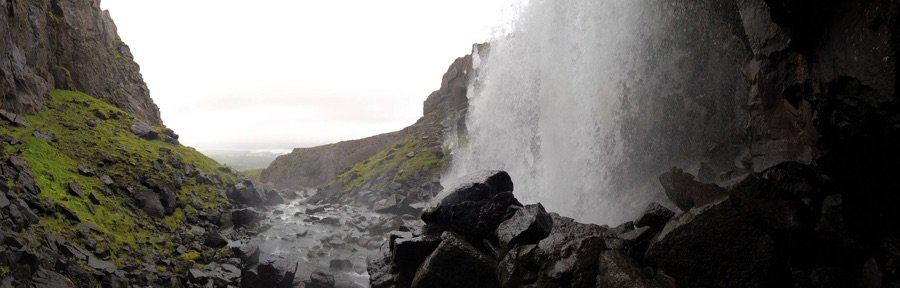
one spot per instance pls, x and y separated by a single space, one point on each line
67 44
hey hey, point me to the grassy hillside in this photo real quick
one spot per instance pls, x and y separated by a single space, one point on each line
93 140
411 157
252 174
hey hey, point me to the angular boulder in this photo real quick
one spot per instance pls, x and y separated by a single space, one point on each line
379 268
716 245
479 186
686 192
272 197
340 265
215 240
248 253
456 263
245 193
150 203
48 279
320 279
3 200
475 208
245 217
528 225
618 270
655 216
519 267
409 253
800 180
144 130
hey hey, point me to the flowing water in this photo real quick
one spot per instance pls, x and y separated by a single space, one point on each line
586 101
333 238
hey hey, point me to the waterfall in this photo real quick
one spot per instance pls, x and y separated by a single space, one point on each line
582 102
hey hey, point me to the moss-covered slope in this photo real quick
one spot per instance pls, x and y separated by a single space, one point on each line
95 178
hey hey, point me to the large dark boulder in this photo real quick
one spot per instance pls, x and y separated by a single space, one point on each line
272 197
150 203
245 193
686 192
248 253
265 275
101 265
519 266
656 216
716 245
144 130
619 270
528 225
21 213
474 208
798 179
48 279
379 268
215 240
479 186
320 279
456 263
573 264
245 217
167 198
409 253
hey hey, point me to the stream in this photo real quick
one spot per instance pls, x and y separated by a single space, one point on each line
333 238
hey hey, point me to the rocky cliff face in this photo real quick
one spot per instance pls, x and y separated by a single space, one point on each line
94 191
823 90
383 165
66 44
315 166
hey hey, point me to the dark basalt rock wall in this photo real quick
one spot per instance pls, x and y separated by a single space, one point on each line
66 44
824 76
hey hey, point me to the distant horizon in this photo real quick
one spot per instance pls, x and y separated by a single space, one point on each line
297 74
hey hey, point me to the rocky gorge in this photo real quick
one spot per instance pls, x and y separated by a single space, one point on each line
769 160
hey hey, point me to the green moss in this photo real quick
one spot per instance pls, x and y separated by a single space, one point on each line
55 165
190 256
64 70
4 270
425 161
175 220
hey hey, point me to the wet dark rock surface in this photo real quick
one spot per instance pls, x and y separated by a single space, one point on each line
776 228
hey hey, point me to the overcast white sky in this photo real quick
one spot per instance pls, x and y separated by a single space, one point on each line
278 74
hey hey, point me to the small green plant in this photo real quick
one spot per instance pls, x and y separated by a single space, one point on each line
4 270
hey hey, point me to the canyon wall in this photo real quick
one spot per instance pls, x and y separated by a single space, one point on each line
67 44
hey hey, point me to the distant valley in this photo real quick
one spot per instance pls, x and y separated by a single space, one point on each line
243 159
